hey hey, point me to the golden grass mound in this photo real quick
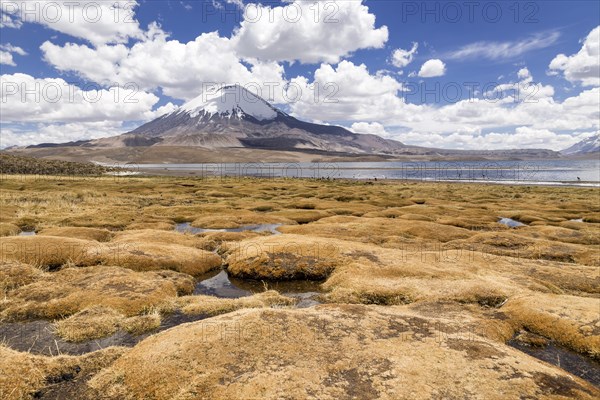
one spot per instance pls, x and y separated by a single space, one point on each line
330 352
213 240
139 250
301 216
284 257
586 236
7 229
14 275
113 218
63 293
209 305
100 235
512 244
142 236
571 321
379 230
91 323
381 276
49 251
100 321
139 324
25 376
149 256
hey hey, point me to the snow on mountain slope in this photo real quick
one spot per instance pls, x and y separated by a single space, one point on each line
586 146
230 101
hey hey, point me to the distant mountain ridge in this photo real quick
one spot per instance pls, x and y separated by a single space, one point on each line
586 146
232 122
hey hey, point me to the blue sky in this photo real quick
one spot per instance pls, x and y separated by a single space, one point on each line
538 61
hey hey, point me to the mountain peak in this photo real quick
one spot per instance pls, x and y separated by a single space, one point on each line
230 101
586 146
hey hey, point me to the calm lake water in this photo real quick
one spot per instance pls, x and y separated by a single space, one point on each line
579 172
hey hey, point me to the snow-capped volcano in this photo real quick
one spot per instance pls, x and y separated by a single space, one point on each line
234 117
230 101
232 122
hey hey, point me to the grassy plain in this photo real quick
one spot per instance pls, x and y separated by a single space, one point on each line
421 287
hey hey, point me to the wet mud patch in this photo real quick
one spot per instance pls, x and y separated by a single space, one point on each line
369 256
547 350
558 385
67 385
39 337
355 383
475 350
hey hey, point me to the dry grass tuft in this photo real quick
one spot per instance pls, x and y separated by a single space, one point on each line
13 275
144 236
156 256
70 290
283 257
301 216
158 225
7 229
141 323
519 246
209 305
25 376
380 231
571 321
91 323
48 251
100 321
99 235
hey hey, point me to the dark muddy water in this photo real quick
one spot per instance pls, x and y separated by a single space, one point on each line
575 363
38 337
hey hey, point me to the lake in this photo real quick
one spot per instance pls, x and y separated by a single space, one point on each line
552 172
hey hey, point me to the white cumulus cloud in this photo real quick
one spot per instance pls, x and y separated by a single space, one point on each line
523 114
6 53
345 92
432 68
374 128
306 31
28 99
95 21
583 67
180 69
401 58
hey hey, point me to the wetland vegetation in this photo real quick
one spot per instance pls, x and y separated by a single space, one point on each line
198 288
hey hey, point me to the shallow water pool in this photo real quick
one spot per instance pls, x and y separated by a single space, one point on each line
510 222
219 284
186 227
